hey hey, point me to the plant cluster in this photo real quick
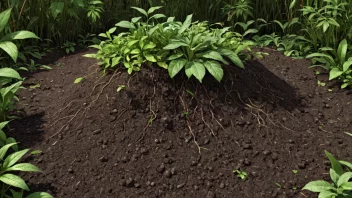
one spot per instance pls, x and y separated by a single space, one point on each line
173 45
10 182
340 174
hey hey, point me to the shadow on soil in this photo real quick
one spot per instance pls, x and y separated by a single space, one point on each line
254 85
27 130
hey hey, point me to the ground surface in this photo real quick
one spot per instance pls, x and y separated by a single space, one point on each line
268 120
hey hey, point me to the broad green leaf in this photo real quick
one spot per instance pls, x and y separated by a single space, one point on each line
186 24
40 195
232 56
342 50
344 178
198 70
13 158
14 180
331 60
3 150
327 194
19 35
215 69
163 65
346 66
141 11
175 56
10 73
318 186
4 18
10 48
215 56
135 19
36 152
188 67
334 176
56 8
175 67
250 31
334 73
334 163
150 58
25 167
347 164
158 16
126 24
174 45
78 80
149 45
153 9
346 186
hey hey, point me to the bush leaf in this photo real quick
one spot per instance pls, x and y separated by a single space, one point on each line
215 69
318 186
14 180
175 66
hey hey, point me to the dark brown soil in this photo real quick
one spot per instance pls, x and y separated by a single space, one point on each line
175 138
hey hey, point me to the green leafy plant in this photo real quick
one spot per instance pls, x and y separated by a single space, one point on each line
6 40
172 45
8 179
241 174
8 91
69 47
341 186
95 9
337 61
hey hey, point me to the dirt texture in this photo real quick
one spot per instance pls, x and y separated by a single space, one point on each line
162 137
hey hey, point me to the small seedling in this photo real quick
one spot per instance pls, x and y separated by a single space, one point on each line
295 171
191 93
321 84
317 72
241 174
34 86
350 134
36 152
279 185
120 88
78 80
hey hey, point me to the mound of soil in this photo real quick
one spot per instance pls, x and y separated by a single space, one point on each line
157 137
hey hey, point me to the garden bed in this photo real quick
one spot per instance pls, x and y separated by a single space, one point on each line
271 120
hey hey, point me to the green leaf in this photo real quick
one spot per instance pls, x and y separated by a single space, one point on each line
215 56
10 73
342 50
163 65
4 18
40 195
334 163
174 45
198 70
3 124
158 16
250 31
126 24
327 194
175 56
318 186
334 176
150 45
344 178
19 35
78 80
150 58
56 8
186 24
346 186
14 180
25 167
292 4
141 11
232 56
153 9
36 152
10 48
175 67
347 65
4 149
215 69
13 158
334 73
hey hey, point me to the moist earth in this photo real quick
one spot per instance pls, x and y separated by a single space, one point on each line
146 135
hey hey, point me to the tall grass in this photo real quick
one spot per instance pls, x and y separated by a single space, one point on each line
36 16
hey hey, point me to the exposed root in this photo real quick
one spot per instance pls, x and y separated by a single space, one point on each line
206 124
